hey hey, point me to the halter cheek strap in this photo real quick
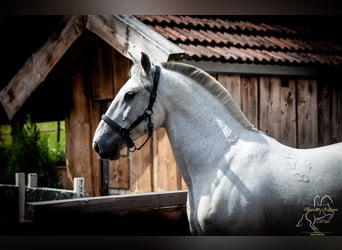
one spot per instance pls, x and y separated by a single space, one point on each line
147 115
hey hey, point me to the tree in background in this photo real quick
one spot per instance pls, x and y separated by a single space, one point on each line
29 153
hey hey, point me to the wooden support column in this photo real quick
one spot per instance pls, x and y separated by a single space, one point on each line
79 131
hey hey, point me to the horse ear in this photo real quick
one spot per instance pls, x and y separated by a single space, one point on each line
145 63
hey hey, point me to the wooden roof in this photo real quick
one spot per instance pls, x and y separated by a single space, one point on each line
242 39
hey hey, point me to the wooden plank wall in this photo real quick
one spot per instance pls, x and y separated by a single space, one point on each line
299 112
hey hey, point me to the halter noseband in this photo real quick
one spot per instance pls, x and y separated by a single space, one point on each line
124 132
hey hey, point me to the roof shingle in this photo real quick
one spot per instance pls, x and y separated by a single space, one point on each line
222 39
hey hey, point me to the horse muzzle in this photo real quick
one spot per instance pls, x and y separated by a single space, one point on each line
105 151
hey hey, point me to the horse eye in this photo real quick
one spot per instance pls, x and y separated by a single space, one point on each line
129 95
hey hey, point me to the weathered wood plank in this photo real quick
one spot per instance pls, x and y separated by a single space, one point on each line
288 117
121 68
94 160
142 167
165 173
270 106
232 83
38 66
324 113
78 130
249 98
138 214
278 109
102 84
115 203
119 173
129 36
257 69
307 113
336 111
102 72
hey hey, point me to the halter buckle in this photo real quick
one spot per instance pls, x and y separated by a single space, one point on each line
149 112
132 148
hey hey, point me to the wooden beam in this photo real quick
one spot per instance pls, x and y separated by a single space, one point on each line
117 204
130 37
262 69
38 66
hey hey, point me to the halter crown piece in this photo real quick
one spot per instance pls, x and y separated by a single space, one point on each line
147 115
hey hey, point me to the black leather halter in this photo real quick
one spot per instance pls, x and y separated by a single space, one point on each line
147 115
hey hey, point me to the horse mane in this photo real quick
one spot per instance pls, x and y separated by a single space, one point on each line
214 87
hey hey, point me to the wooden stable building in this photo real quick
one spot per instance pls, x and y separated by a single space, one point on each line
284 77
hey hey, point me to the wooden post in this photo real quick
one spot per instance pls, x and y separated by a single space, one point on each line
20 182
32 180
79 187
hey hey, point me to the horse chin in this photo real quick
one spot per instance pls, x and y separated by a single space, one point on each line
115 156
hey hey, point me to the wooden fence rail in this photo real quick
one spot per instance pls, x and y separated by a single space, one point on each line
154 213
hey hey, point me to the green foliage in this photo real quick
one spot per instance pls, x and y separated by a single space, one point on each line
57 153
5 136
29 153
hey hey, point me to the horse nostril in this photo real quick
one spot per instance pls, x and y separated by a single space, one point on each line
96 147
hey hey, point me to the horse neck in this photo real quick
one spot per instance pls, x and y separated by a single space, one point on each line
200 129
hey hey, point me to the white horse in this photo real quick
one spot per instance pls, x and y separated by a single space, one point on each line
240 181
